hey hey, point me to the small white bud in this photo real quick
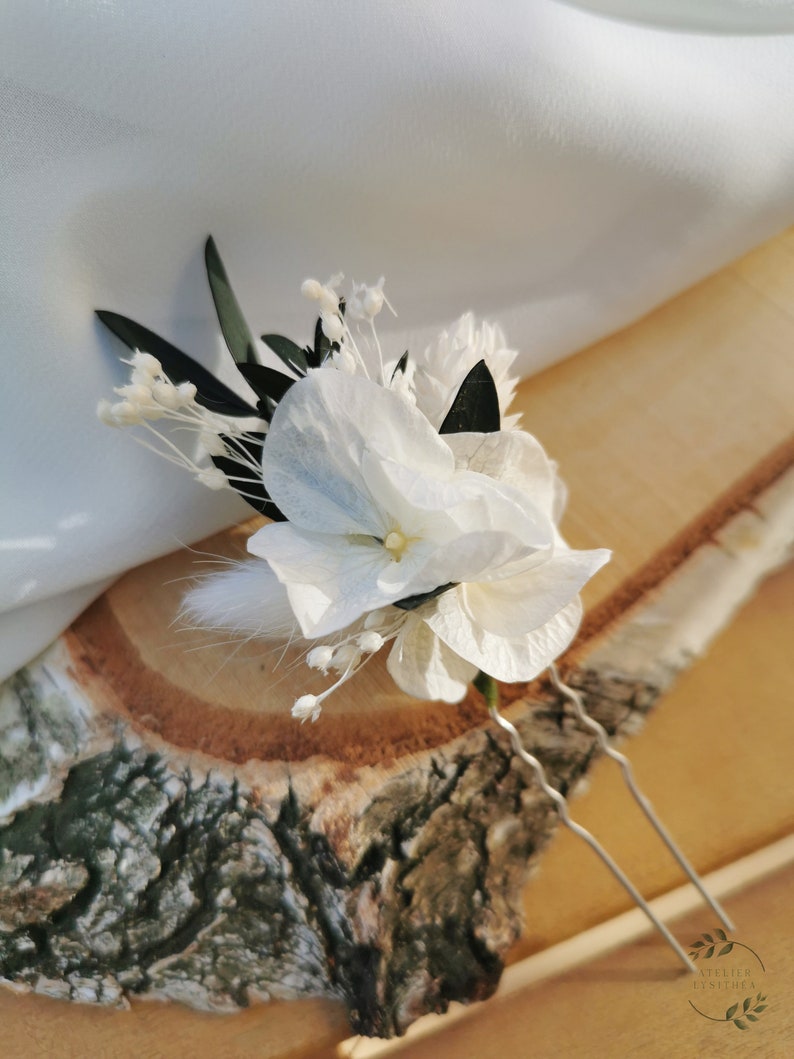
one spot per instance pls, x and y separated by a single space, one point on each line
370 642
345 361
126 414
145 369
104 411
187 393
329 302
320 657
333 328
373 301
165 393
311 288
345 657
135 393
212 444
305 707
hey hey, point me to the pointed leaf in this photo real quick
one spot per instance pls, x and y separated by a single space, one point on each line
748 1001
698 944
721 935
751 1017
739 1024
266 382
708 953
708 937
230 316
178 366
476 405
244 479
287 351
760 1007
412 602
726 949
400 366
731 1011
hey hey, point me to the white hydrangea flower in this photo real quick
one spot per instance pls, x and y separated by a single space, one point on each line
442 367
381 508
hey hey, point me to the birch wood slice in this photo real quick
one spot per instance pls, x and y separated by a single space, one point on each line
169 831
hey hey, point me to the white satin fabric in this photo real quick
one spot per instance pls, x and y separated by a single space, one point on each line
542 165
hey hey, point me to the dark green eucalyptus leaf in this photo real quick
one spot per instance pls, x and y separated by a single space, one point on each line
739 1024
266 382
178 366
708 953
721 935
244 479
412 602
323 346
698 944
230 316
726 949
761 1007
400 366
287 351
747 1002
476 405
731 1011
708 937
751 1017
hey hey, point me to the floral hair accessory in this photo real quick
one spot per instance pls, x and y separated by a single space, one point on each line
407 509
403 514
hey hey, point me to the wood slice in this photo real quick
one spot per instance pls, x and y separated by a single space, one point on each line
169 831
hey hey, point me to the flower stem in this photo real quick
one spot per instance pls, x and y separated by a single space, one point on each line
488 688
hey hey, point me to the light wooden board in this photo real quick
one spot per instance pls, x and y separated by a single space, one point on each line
633 1003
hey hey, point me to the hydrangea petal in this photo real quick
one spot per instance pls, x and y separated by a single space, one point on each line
512 660
321 429
517 605
331 581
513 457
423 666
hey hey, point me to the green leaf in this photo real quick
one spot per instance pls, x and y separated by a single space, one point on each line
178 366
698 944
230 316
760 1007
708 937
748 1001
267 382
739 1024
243 478
400 366
721 935
412 602
287 351
731 1011
708 953
476 405
725 949
752 1017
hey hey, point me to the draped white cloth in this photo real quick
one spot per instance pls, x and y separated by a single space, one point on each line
556 170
